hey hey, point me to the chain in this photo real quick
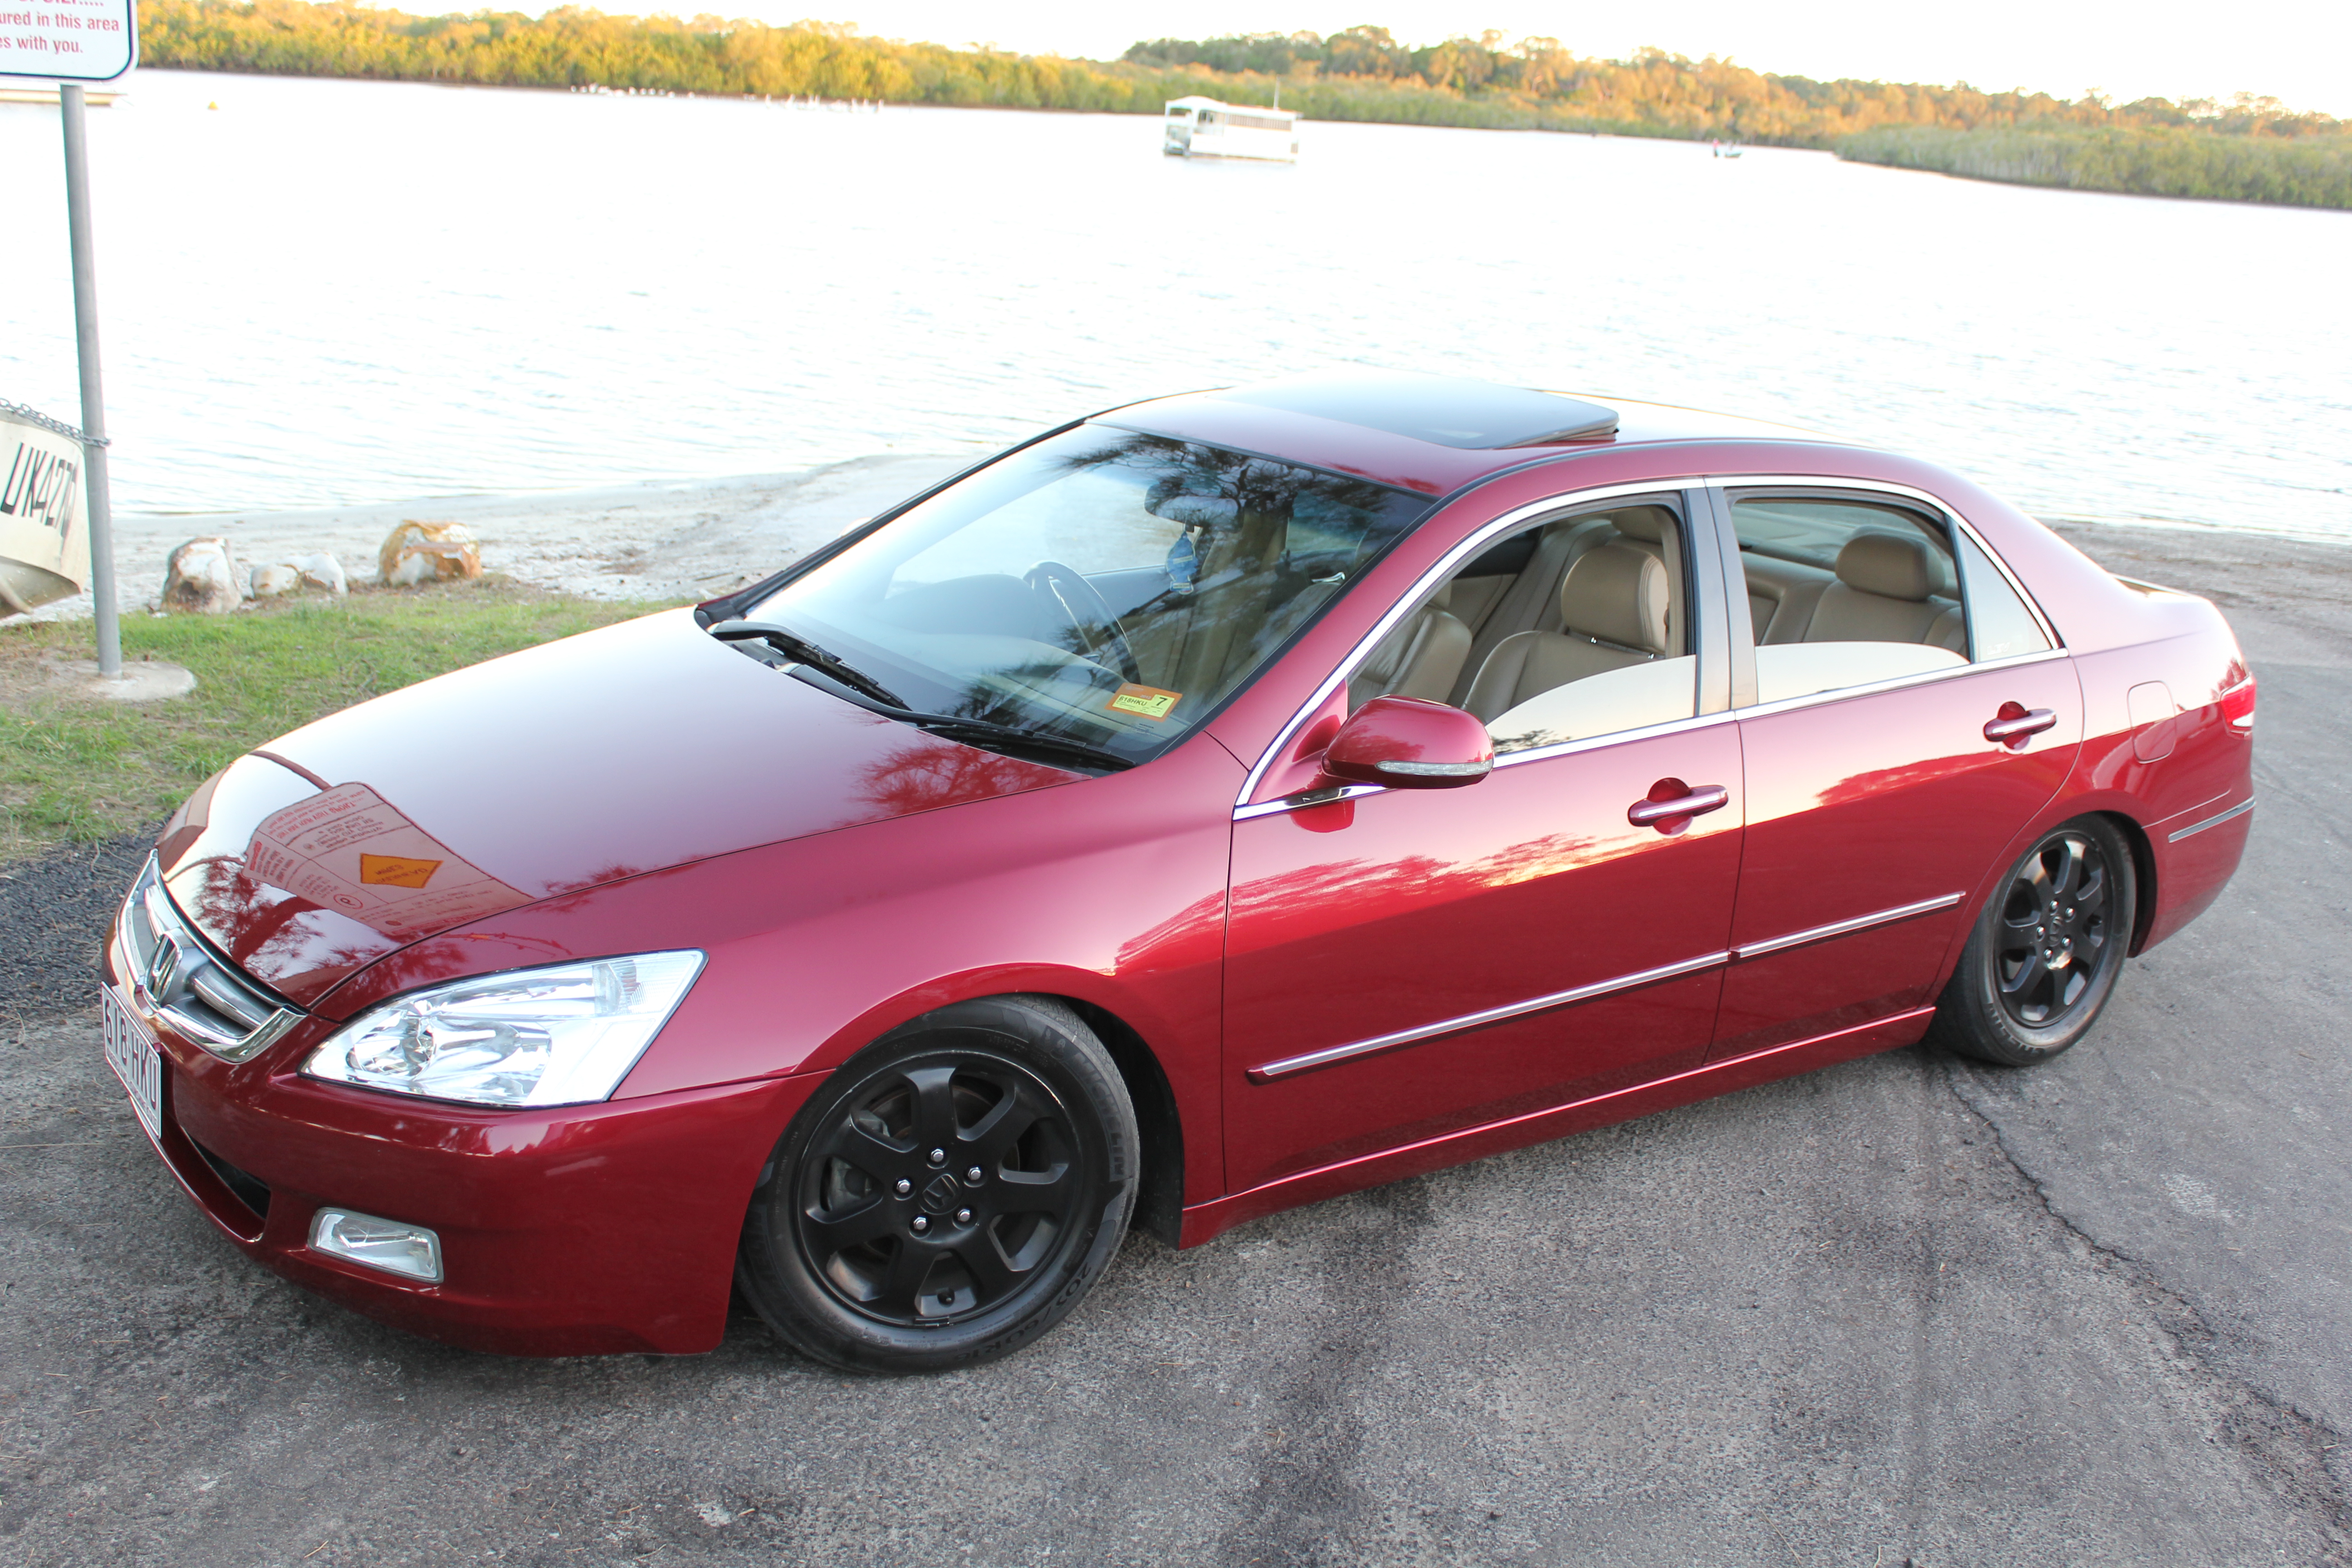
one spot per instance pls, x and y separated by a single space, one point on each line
32 416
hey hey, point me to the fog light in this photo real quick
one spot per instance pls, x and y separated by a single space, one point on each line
410 1251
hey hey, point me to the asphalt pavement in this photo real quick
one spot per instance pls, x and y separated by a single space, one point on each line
1907 1310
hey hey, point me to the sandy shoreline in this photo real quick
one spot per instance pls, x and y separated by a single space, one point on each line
675 539
693 539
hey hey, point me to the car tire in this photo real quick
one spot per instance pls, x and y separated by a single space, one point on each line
2046 950
949 1193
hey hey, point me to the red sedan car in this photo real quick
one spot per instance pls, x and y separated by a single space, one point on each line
1217 805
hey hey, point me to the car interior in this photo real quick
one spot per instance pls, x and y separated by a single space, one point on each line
1577 628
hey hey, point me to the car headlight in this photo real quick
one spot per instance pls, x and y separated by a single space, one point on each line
563 1035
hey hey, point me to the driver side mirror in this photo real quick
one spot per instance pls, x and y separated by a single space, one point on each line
1407 742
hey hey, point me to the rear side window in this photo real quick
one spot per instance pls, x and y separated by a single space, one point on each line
1846 592
1999 625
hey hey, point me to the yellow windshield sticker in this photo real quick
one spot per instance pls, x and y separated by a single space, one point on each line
396 870
1148 701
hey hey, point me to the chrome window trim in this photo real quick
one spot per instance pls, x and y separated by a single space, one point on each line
1306 801
1907 492
1468 547
1507 760
1841 928
2194 829
1614 738
1378 1043
1896 683
1355 1050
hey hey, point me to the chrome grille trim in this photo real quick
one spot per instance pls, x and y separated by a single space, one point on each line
177 979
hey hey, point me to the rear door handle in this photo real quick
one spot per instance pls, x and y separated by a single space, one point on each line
2016 724
1681 800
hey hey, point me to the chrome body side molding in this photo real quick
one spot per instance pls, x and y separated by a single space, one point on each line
1270 1071
2194 829
1842 927
1380 1043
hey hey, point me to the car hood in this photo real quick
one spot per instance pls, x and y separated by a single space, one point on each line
629 750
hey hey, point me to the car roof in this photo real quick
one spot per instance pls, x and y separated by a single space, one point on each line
1430 434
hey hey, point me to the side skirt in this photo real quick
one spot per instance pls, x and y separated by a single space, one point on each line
1204 1222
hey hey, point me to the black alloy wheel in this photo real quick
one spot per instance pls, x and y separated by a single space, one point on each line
948 1195
2047 950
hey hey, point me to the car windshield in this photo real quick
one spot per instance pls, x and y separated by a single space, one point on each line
1101 585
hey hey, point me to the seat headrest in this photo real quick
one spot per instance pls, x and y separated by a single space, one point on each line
1442 599
1644 524
1617 594
1887 564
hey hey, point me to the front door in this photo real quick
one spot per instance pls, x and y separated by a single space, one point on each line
1417 961
1379 933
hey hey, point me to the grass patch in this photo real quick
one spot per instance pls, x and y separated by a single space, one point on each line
74 770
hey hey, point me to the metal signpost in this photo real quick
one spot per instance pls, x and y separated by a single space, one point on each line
71 42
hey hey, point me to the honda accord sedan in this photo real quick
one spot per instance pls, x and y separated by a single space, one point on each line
1217 805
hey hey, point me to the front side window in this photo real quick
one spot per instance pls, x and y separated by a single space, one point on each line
1575 629
1104 586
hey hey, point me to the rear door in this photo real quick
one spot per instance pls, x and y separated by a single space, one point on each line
1882 640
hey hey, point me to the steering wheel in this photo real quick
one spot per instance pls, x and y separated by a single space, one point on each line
1089 614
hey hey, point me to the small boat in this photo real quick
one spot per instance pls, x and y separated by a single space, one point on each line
1726 148
1199 127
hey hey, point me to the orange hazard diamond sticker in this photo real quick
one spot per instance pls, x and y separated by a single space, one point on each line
396 870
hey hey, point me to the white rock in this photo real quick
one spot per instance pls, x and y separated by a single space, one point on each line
275 582
201 577
323 571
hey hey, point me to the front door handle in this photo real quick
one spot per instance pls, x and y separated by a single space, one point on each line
1671 801
2016 722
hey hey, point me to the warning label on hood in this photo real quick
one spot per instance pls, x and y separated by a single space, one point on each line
348 849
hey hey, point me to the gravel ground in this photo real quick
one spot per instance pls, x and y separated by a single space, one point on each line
55 911
1904 1310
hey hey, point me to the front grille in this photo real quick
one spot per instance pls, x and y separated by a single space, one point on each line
178 976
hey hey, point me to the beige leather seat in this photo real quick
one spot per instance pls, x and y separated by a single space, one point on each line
1886 592
1612 607
1422 657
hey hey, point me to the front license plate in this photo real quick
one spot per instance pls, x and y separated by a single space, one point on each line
130 1052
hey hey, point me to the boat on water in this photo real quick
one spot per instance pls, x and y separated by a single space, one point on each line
1198 127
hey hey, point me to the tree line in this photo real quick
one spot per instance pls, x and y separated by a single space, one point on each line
2247 149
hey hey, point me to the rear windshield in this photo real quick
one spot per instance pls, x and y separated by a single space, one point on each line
1101 585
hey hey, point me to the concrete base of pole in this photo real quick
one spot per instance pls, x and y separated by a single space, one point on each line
142 680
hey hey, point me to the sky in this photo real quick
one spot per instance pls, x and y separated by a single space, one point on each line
2299 51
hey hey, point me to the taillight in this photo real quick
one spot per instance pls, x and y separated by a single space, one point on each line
2238 706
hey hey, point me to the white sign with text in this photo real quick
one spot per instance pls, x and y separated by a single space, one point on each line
67 40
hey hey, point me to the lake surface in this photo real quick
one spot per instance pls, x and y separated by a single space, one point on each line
324 292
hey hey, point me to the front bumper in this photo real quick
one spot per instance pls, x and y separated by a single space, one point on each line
566 1230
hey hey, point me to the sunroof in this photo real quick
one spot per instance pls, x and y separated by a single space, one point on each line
1446 410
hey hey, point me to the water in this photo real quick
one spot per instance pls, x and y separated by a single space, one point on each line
331 293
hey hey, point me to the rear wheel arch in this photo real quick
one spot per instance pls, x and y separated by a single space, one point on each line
2143 854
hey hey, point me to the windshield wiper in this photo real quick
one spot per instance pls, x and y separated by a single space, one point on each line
871 694
1012 735
799 648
